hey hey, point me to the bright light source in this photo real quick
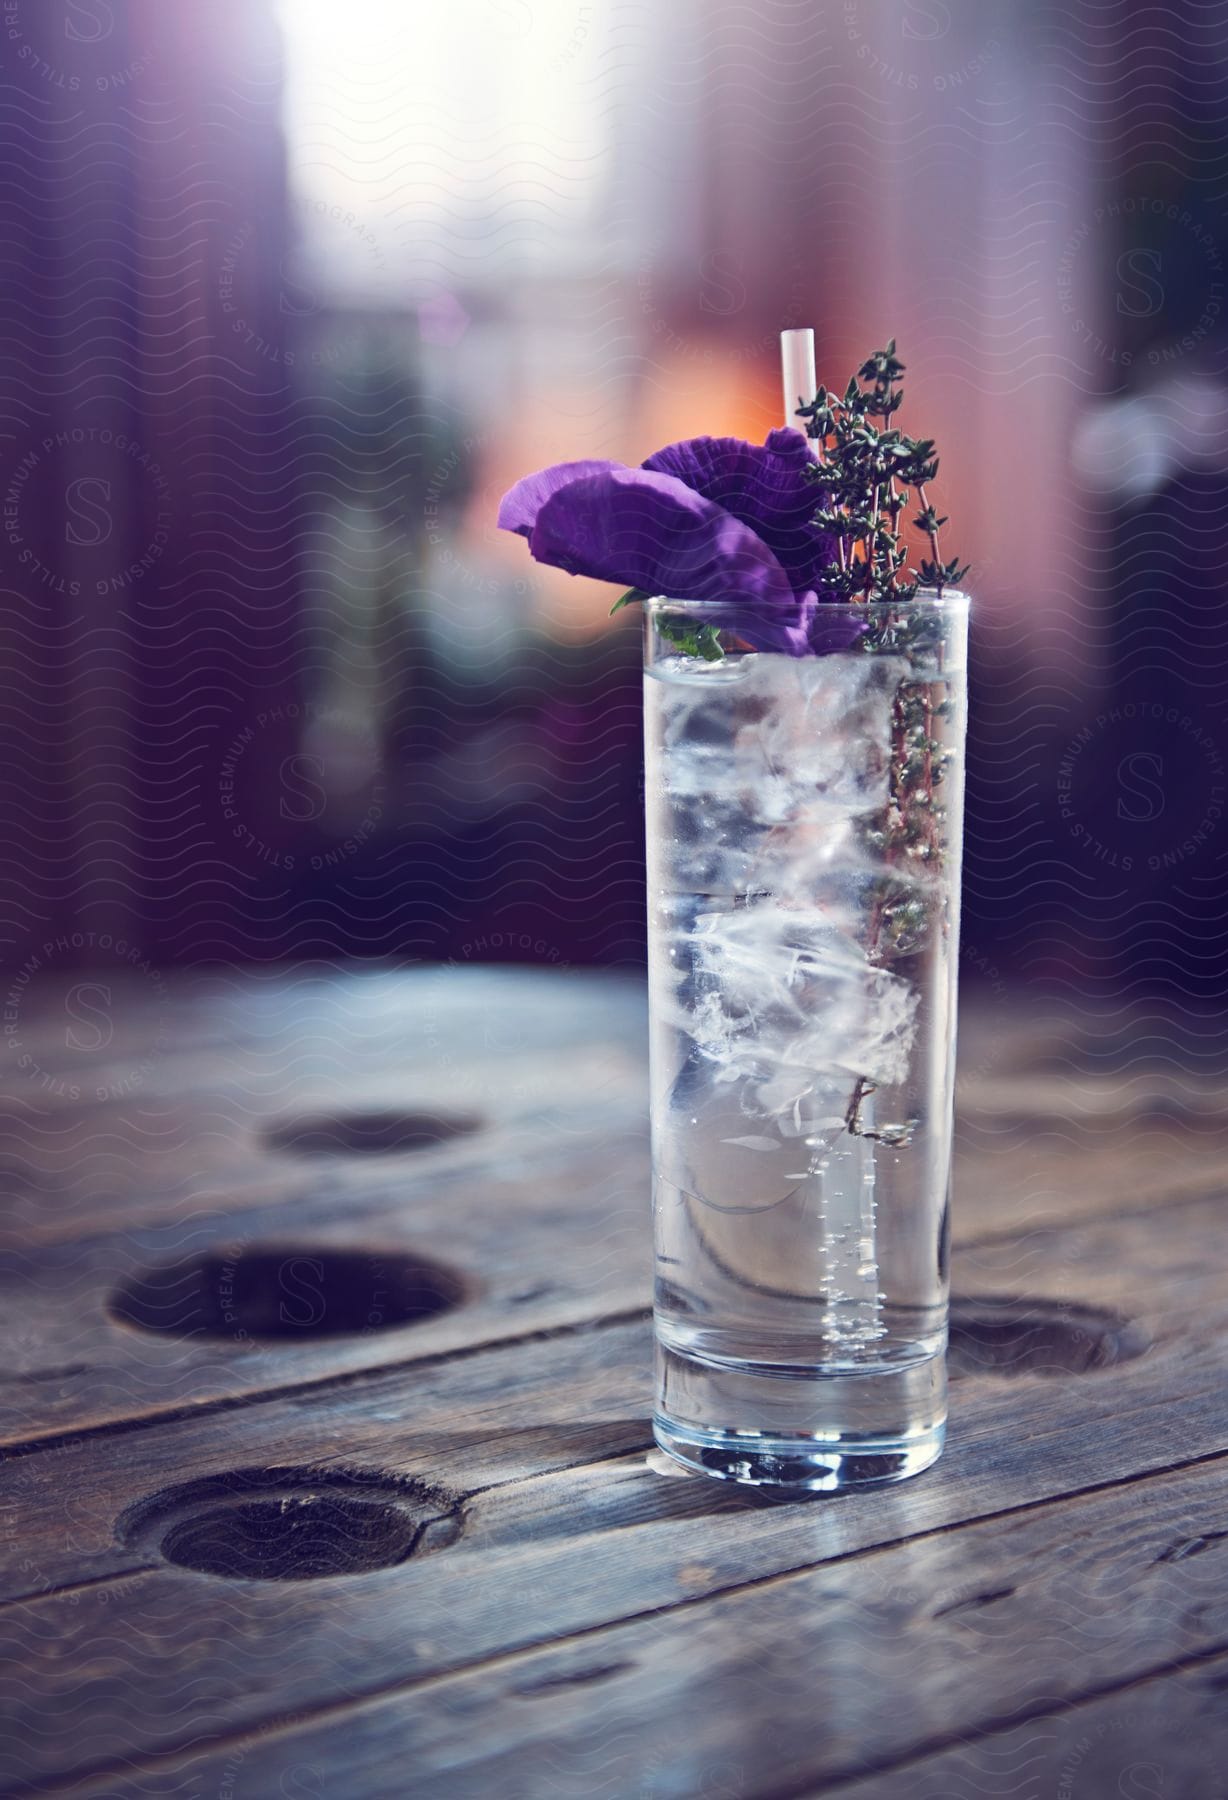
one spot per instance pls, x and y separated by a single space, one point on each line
447 129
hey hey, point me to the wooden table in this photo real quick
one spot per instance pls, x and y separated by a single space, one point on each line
324 1377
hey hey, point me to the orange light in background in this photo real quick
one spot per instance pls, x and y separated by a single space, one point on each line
708 394
701 393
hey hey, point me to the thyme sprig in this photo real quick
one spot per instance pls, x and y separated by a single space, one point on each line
865 469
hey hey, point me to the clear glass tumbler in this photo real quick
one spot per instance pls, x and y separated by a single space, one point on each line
804 823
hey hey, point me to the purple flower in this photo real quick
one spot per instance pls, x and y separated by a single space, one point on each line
520 506
767 487
711 520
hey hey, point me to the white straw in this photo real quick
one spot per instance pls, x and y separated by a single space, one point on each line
850 1254
797 369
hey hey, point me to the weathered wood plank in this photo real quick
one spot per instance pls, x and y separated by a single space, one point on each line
1061 1116
568 1244
564 1163
1039 1171
192 1074
187 1163
508 1413
780 1684
1159 1738
67 1362
566 1533
1163 1738
545 1554
168 1105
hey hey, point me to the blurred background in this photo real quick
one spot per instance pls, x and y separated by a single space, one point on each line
293 291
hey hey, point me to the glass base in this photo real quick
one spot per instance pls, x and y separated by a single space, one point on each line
816 1429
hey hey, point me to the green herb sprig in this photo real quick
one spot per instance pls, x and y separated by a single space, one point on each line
866 470
690 636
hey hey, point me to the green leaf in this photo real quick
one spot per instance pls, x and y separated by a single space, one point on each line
632 597
690 637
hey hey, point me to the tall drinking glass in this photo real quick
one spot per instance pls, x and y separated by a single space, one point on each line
804 822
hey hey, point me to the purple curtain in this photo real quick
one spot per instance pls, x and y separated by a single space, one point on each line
148 593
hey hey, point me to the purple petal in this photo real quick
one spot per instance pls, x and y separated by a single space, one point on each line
772 627
649 531
521 504
810 629
764 485
834 628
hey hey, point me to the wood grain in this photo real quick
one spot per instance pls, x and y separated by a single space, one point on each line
1003 1620
555 1543
595 1627
183 1168
484 1416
